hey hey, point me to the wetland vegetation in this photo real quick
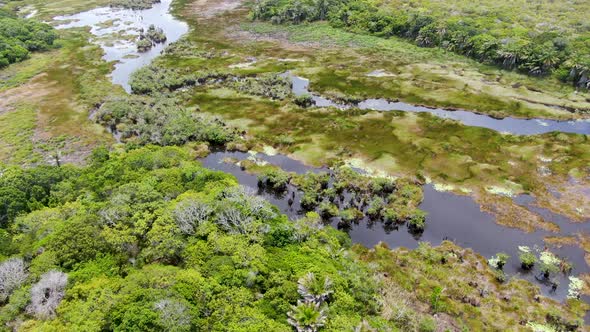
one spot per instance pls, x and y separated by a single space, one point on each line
108 221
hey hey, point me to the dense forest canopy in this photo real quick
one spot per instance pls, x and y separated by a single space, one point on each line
161 243
20 36
535 37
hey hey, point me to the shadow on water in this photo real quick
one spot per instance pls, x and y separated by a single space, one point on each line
450 217
510 125
116 29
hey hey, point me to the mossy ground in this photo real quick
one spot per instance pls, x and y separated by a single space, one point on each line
47 101
469 292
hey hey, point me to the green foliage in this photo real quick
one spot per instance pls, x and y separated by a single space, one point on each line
527 259
272 86
485 36
436 304
153 241
19 37
156 79
147 120
305 100
274 178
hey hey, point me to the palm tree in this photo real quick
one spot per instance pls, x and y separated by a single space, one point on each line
313 290
307 316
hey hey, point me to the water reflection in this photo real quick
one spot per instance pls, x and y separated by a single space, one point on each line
116 29
505 125
450 217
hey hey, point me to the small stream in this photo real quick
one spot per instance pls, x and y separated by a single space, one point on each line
450 217
116 29
505 125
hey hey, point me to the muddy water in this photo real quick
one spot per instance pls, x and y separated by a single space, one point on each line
450 217
116 29
505 125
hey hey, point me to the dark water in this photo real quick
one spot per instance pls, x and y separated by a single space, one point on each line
115 30
450 217
505 125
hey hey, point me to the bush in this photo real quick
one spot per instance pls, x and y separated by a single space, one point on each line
328 210
274 178
12 274
499 260
19 37
161 121
417 221
304 100
351 215
134 4
527 260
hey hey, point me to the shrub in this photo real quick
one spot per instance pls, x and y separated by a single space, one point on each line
527 259
499 260
351 215
328 210
304 100
548 263
417 221
19 37
189 214
274 178
161 121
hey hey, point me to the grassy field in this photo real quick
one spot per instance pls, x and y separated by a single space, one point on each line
46 102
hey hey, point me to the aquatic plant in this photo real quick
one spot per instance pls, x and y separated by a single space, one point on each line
305 100
417 221
161 121
273 86
499 260
328 210
527 257
273 178
549 263
575 287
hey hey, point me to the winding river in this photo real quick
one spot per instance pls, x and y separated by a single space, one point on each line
452 217
116 29
505 125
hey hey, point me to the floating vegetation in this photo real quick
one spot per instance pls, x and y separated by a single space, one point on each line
149 38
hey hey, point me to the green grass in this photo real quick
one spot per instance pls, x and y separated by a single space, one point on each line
16 134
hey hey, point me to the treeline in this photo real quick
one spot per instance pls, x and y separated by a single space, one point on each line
535 53
19 37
